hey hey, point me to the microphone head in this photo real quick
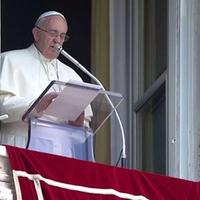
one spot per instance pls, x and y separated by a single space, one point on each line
58 47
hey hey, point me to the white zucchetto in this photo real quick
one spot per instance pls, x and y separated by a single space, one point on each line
49 13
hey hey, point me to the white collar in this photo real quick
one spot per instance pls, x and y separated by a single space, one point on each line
43 58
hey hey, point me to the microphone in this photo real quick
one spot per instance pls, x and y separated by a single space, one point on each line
59 49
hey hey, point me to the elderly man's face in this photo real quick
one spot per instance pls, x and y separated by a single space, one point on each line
45 41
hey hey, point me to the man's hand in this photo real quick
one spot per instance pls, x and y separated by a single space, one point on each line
79 121
45 101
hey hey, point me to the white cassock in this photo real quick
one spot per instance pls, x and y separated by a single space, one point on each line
24 74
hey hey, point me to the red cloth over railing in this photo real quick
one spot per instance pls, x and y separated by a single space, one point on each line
92 175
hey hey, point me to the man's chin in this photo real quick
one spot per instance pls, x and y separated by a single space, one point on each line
52 55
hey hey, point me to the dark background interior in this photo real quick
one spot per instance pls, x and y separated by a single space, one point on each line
18 18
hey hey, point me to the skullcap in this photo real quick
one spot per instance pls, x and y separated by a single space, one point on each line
49 13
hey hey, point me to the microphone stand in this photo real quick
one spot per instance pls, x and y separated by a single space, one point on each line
59 49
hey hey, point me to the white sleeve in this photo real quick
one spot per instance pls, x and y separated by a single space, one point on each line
88 116
14 107
11 87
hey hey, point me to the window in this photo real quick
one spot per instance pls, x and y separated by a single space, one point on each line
150 107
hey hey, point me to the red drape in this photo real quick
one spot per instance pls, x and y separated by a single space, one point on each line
93 175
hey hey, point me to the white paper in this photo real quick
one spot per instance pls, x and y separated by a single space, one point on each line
72 101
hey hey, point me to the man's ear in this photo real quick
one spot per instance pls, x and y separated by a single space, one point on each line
35 33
